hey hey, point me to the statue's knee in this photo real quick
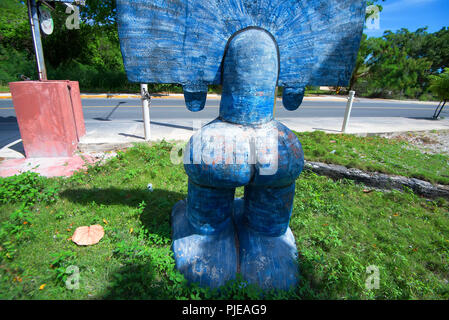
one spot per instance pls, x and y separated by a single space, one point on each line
268 209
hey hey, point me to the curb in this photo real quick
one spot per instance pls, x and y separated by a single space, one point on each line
173 96
217 96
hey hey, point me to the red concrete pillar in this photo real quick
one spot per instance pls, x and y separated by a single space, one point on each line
50 116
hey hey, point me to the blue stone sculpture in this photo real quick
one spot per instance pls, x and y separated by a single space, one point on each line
249 47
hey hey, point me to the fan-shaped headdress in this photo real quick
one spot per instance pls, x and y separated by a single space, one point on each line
182 41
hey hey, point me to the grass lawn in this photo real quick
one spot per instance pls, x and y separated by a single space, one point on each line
375 154
340 231
4 88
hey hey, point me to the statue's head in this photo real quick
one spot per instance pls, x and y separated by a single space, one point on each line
250 73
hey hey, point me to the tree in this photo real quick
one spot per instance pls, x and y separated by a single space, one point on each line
94 44
16 47
14 26
395 65
100 12
437 45
361 69
440 86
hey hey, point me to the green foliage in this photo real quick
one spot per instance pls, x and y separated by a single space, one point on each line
388 230
59 263
16 49
28 188
14 231
102 12
25 191
92 78
439 85
14 27
13 64
437 49
401 64
361 69
339 230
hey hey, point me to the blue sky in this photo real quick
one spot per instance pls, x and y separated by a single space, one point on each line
412 14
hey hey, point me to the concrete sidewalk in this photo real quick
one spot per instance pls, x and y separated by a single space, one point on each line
118 132
103 136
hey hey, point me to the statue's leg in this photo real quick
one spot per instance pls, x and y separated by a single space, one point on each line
204 237
268 255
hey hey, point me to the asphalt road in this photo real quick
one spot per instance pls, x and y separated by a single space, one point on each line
96 111
125 109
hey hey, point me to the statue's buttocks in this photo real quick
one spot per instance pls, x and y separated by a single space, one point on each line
233 155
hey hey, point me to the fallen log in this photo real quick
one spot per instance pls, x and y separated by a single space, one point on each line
379 180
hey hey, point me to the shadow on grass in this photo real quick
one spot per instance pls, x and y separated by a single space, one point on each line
158 204
140 279
136 282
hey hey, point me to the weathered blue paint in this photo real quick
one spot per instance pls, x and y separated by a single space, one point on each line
292 97
248 46
230 155
270 261
268 209
209 208
208 259
183 41
195 96
252 102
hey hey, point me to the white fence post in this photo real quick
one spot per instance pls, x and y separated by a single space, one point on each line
146 100
348 110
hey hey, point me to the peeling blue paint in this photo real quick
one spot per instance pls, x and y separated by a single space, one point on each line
209 260
267 260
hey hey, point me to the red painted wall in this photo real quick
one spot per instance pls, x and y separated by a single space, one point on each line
50 116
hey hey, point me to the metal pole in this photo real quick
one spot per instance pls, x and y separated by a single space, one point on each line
348 110
36 34
441 109
146 100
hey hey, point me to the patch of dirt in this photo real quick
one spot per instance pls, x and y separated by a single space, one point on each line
99 157
435 141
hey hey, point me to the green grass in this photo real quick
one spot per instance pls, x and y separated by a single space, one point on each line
375 154
340 230
4 88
